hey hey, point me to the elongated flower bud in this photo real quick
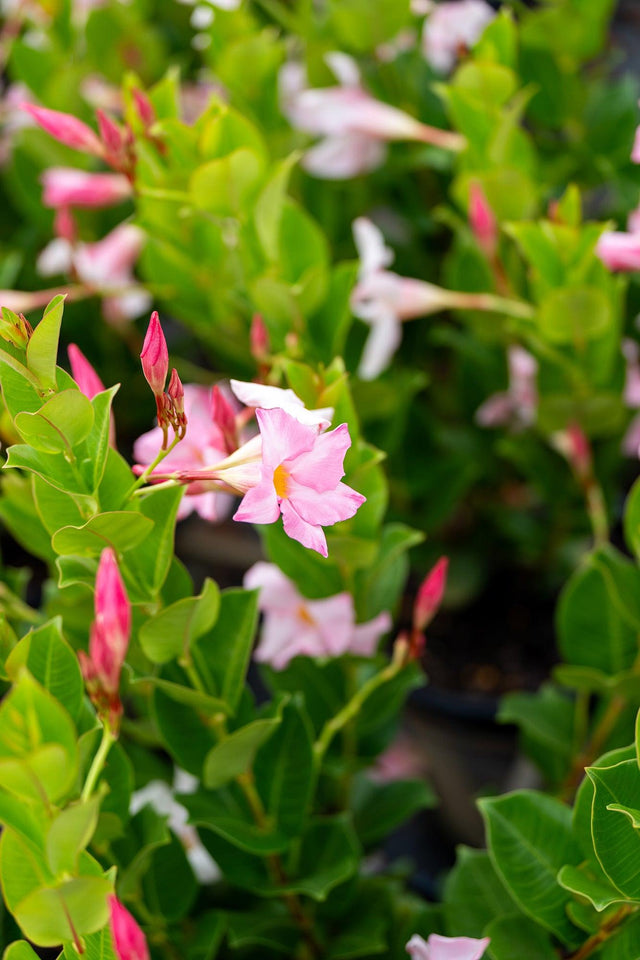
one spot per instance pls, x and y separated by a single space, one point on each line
144 107
223 415
155 356
430 595
482 220
176 392
66 129
129 941
112 138
258 338
83 373
66 187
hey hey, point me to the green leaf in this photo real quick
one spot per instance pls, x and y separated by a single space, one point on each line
263 928
184 733
379 587
235 754
584 883
632 519
97 946
121 530
315 576
38 752
172 632
226 186
518 938
474 894
575 315
269 205
169 884
223 654
42 349
55 508
148 564
624 942
546 720
616 842
20 950
69 834
584 803
379 808
59 425
226 813
46 915
49 658
529 838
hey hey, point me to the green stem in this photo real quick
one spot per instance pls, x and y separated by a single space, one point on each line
355 704
98 762
144 476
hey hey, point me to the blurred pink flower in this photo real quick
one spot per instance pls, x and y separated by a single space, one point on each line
67 187
66 129
518 405
355 126
446 948
618 250
402 760
294 626
482 220
451 28
203 444
635 150
129 941
301 479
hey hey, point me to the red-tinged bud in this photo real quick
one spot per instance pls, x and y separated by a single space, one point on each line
575 446
66 129
109 640
112 137
14 327
83 373
223 415
176 392
482 220
155 356
430 595
144 107
129 941
259 338
64 225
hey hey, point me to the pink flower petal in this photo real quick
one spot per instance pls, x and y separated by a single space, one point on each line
259 504
366 636
324 508
283 437
308 534
321 468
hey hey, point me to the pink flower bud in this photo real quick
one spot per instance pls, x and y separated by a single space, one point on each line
578 450
258 338
155 356
144 107
224 417
112 138
430 595
66 187
176 392
83 373
129 941
482 220
66 129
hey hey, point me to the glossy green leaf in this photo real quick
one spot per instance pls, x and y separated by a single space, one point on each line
172 632
616 842
584 883
69 834
148 564
518 938
225 186
20 950
45 915
42 349
379 808
234 754
49 658
268 207
121 530
223 654
60 424
474 895
575 315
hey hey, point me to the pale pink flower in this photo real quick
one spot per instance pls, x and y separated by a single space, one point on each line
452 28
446 948
67 129
67 187
129 941
402 760
21 301
635 151
296 627
269 398
203 444
518 405
355 126
301 479
619 251
12 117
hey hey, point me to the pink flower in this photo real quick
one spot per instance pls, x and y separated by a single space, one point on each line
155 356
635 151
301 479
452 27
83 373
355 126
23 302
430 595
402 760
109 639
203 444
129 941
519 404
269 398
446 948
67 129
573 444
67 187
619 251
294 626
482 221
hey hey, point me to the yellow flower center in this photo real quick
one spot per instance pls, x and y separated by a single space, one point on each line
280 482
305 616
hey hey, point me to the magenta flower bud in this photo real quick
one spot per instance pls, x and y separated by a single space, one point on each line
112 138
66 187
482 220
129 942
176 391
258 338
83 373
144 107
155 356
430 595
66 129
224 417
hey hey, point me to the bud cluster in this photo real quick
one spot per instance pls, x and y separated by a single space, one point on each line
155 366
15 328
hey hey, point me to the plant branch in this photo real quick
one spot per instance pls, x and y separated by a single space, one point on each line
98 762
608 928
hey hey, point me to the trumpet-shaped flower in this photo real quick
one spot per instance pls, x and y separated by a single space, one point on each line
67 187
452 27
294 626
301 474
446 948
355 126
129 941
269 398
519 403
204 443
